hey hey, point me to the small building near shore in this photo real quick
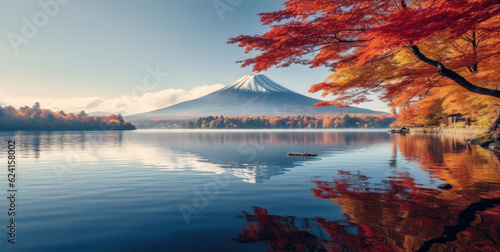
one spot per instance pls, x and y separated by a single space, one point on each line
457 118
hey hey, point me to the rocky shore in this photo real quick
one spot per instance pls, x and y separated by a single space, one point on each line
478 135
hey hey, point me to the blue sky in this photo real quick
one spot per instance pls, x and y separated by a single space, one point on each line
92 52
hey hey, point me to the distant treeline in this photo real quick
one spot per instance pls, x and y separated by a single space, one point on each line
283 122
36 118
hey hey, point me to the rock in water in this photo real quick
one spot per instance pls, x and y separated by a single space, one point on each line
495 146
475 141
445 186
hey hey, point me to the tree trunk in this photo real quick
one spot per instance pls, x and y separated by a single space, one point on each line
495 125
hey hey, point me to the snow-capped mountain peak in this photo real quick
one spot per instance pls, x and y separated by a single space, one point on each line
251 95
258 83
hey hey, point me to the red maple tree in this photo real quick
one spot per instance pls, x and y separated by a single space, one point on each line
414 53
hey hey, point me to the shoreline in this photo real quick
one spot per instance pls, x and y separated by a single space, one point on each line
438 130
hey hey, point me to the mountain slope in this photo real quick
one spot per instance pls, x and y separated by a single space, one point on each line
250 95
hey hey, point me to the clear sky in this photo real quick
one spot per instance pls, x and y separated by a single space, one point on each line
93 54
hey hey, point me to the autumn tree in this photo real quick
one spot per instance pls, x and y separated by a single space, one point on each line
120 118
82 114
424 57
36 106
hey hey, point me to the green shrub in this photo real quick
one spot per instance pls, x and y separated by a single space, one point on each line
483 121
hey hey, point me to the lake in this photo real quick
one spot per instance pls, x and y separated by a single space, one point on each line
231 190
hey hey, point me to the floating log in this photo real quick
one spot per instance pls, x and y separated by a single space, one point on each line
301 154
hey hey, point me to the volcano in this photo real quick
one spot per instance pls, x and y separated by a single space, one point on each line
251 95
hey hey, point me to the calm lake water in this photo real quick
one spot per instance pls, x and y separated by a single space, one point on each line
168 190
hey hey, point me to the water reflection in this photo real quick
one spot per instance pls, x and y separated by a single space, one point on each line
370 191
290 233
35 144
398 214
251 156
467 168
257 156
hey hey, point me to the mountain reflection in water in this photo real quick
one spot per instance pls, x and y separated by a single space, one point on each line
252 156
365 191
398 214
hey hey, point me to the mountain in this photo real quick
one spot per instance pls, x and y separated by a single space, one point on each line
98 113
251 95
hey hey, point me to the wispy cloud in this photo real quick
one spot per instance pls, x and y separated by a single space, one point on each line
126 105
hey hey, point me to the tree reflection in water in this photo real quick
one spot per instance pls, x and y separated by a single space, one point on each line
399 214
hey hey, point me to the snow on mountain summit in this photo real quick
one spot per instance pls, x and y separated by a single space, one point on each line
258 83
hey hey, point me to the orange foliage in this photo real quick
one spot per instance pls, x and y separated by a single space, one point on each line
422 57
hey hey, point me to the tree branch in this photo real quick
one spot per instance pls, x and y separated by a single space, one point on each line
442 70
